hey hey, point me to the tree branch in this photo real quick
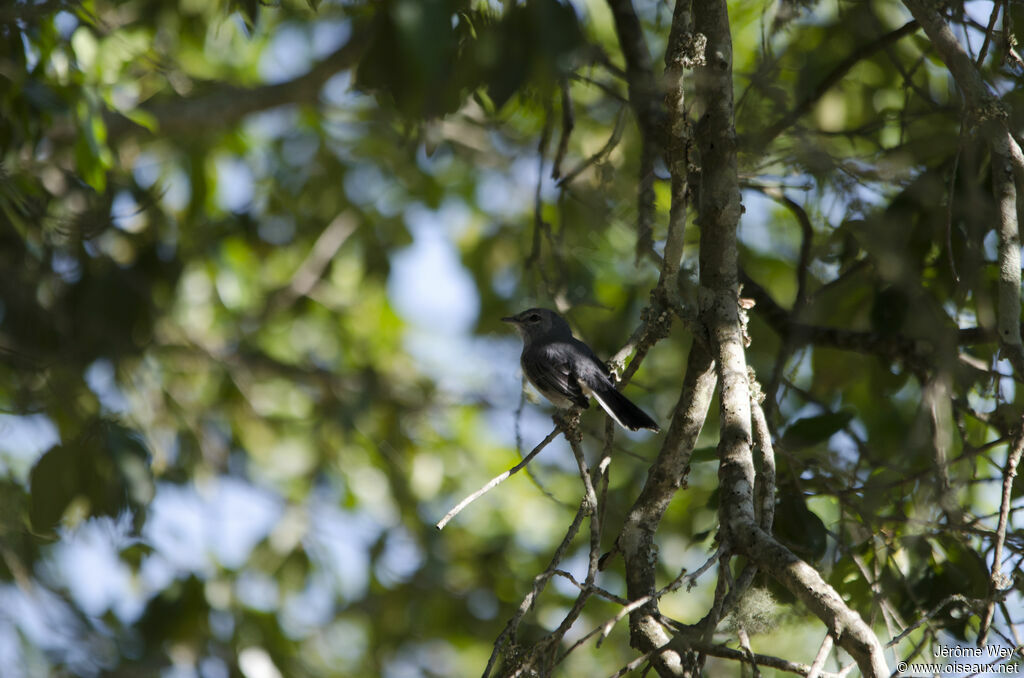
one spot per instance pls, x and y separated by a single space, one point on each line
498 479
539 583
989 30
664 478
937 408
819 660
834 76
998 581
765 488
316 262
32 11
895 347
644 99
1008 289
225 105
1007 160
684 50
718 215
609 146
769 661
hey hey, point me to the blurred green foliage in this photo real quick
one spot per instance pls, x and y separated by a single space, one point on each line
205 203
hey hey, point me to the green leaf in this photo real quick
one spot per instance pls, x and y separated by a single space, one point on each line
798 527
411 61
143 118
12 507
963 567
536 43
92 155
813 430
708 453
89 166
107 468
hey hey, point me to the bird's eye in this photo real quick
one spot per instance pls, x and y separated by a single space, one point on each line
533 317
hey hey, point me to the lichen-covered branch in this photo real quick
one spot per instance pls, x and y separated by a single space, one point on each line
1008 290
664 478
719 211
683 50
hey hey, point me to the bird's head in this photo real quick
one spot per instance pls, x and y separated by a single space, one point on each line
539 322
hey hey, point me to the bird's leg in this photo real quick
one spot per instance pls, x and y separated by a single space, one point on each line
569 421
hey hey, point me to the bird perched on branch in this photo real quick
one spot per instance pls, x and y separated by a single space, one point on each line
567 372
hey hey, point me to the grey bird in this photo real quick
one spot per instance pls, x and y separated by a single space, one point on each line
567 372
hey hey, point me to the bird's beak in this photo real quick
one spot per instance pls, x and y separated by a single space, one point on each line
510 319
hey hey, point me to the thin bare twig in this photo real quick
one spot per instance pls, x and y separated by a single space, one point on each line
819 660
539 582
597 590
949 204
834 76
498 479
613 141
519 447
638 662
768 661
568 122
1010 623
645 101
628 607
691 578
316 262
955 598
765 489
998 581
751 657
996 6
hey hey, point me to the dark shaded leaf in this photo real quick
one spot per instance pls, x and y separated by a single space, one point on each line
107 467
813 430
798 527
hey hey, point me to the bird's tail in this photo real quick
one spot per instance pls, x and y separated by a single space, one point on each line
622 410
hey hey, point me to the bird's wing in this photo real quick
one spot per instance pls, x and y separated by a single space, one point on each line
595 380
552 370
571 370
589 370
